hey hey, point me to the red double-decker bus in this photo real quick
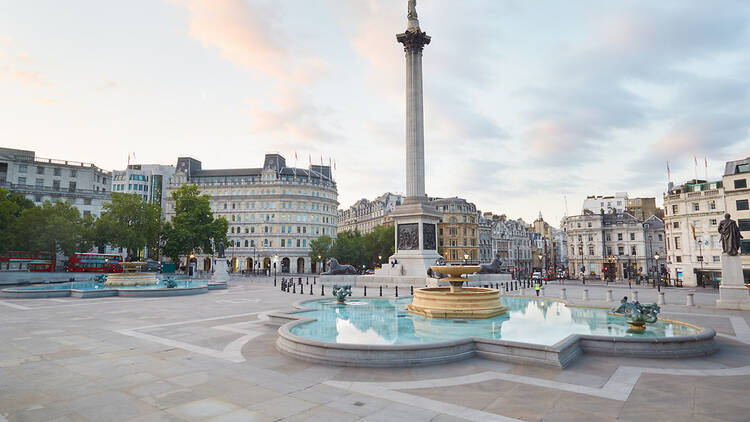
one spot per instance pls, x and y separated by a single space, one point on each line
35 262
94 263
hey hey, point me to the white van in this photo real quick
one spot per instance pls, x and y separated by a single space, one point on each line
536 275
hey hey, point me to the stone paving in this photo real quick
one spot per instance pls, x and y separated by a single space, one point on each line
211 358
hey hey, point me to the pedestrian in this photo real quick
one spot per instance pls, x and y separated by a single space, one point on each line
537 287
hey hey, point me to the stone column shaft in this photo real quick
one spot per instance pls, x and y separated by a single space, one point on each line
414 126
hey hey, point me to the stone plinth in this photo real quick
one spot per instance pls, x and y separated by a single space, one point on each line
416 240
732 292
341 280
469 302
490 278
221 270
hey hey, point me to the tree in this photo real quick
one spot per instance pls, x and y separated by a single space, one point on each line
130 222
321 247
349 248
11 207
193 228
54 227
379 244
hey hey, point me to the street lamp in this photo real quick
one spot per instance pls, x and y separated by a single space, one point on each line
657 277
275 260
320 263
466 258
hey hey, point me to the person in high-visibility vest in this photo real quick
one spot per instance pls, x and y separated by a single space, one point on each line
537 287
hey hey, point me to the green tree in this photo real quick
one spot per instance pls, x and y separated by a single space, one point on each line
130 222
379 244
321 247
54 227
193 227
11 207
349 248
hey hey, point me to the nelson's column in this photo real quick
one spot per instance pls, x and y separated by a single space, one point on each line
415 220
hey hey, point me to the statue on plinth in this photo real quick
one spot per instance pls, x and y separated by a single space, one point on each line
221 249
730 235
334 268
494 268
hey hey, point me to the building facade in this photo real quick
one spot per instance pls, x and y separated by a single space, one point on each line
511 242
84 185
642 208
736 198
273 212
695 204
484 226
145 180
458 230
365 215
619 239
596 204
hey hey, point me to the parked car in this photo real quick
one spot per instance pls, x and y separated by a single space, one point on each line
536 275
152 267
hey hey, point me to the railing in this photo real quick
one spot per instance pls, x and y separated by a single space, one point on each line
34 189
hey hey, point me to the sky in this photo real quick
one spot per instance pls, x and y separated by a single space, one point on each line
527 105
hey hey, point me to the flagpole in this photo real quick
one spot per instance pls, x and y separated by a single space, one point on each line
705 160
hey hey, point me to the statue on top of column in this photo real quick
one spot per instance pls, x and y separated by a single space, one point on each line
730 235
412 14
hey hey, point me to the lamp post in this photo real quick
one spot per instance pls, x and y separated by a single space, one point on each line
320 270
657 278
583 265
466 258
275 260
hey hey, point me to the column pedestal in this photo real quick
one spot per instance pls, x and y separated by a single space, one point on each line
416 240
221 270
732 292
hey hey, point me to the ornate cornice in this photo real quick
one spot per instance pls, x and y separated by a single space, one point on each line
413 40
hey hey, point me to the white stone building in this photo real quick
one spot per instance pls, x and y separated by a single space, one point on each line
510 241
147 180
365 215
699 204
737 203
617 239
595 204
484 228
273 212
84 185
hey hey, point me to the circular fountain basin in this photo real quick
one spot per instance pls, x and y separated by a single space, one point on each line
91 289
131 279
468 302
382 333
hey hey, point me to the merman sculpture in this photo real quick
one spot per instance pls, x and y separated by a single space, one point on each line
638 313
341 292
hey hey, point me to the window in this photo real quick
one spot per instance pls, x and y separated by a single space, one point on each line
619 236
609 251
57 171
21 180
609 237
677 242
661 237
633 251
56 184
22 168
740 183
73 173
283 243
246 243
742 204
676 224
37 198
712 222
696 206
589 224
674 209
678 258
40 182
745 246
87 201
40 170
712 205
620 250
632 237
591 238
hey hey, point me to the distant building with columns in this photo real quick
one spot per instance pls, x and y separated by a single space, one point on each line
365 215
274 212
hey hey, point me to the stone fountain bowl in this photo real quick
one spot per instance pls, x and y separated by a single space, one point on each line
455 271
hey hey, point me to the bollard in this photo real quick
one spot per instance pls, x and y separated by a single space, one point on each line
365 294
307 281
322 291
301 289
411 290
635 295
381 290
661 300
585 294
506 286
294 288
274 282
396 291
690 300
311 293
564 293
609 295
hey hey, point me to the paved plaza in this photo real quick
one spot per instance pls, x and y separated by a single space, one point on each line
210 357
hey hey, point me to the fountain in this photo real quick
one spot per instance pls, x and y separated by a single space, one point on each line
131 276
456 301
638 314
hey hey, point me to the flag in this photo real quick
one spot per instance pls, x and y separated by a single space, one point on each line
134 156
669 174
705 160
695 159
295 155
128 159
334 164
692 227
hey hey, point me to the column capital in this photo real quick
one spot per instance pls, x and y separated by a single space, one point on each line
413 39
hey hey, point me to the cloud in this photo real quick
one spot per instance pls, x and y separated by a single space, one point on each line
25 77
252 37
